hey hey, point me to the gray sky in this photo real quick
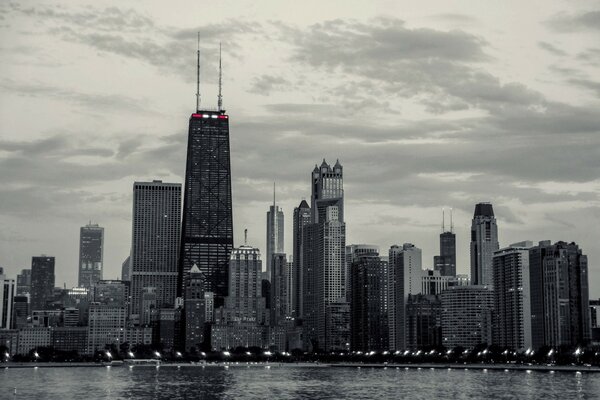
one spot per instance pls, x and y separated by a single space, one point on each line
426 104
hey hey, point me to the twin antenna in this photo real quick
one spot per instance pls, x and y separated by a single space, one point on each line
220 96
444 221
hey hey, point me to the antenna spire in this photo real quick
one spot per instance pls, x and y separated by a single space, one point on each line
246 237
451 224
198 75
443 220
273 195
220 98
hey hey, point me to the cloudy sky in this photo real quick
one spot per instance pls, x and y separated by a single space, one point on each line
426 104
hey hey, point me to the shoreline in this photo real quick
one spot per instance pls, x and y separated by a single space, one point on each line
268 365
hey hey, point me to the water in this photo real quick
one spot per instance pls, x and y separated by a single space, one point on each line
292 383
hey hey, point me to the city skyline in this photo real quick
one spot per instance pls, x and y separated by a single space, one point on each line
87 172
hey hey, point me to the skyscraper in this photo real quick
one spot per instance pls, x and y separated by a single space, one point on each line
446 261
368 301
512 297
155 240
24 283
352 252
484 241
91 252
207 227
559 295
302 218
42 281
323 277
7 295
195 310
274 233
279 289
404 278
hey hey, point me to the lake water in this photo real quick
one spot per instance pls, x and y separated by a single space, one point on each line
292 383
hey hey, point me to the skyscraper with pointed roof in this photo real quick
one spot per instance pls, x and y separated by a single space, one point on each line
207 226
274 234
301 221
484 242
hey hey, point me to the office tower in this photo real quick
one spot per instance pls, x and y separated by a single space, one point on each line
302 218
433 282
559 295
195 311
368 320
484 241
467 316
148 302
24 283
155 240
207 227
106 326
279 290
289 271
126 269
446 261
404 277
323 263
112 293
20 312
423 321
91 252
274 233
42 281
595 321
352 252
7 295
512 297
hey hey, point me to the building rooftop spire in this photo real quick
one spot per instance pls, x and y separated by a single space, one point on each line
198 75
220 97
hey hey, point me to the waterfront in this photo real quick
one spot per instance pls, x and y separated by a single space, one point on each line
289 382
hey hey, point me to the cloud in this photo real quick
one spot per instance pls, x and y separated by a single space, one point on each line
564 22
587 84
265 84
551 49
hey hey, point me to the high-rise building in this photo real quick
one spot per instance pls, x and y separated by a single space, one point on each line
433 282
352 252
91 254
42 281
7 295
195 310
20 312
446 261
423 321
24 283
467 316
368 320
559 295
279 289
274 233
405 277
512 297
207 227
112 293
155 240
302 218
484 241
323 263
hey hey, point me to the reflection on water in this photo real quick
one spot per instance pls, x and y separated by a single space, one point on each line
291 383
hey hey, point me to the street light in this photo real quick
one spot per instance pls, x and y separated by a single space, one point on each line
131 354
157 354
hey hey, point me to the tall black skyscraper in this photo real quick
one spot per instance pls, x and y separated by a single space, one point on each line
42 281
446 261
207 227
484 242
301 221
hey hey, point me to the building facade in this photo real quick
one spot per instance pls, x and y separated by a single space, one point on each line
275 230
484 242
302 218
423 321
155 242
91 254
7 296
42 281
279 289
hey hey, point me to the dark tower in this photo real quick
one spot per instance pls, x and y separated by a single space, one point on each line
446 261
207 226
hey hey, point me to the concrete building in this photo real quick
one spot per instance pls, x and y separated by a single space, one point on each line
70 338
91 254
24 283
512 297
107 326
20 312
42 281
433 282
195 311
324 265
484 241
467 316
32 338
156 228
405 277
279 289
